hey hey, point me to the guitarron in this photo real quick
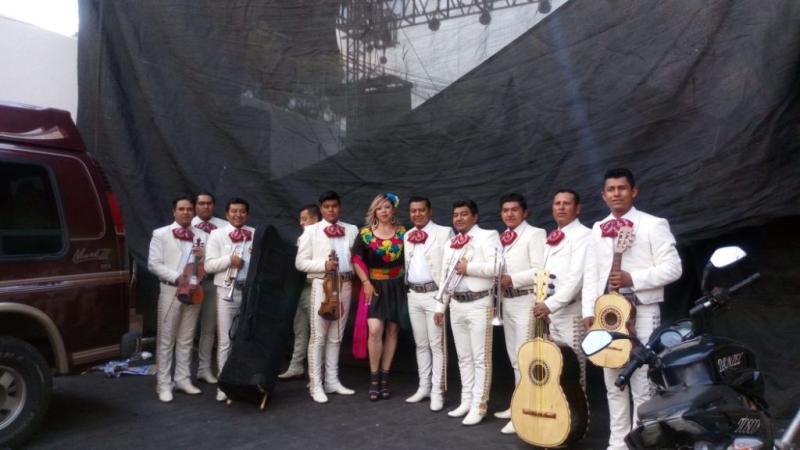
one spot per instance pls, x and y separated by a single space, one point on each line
549 408
614 312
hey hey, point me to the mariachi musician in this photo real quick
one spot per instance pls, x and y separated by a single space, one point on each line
205 221
313 257
522 256
647 266
228 257
172 248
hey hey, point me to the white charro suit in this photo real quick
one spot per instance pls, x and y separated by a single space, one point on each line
313 249
471 321
653 262
176 324
523 257
218 259
566 261
423 265
208 312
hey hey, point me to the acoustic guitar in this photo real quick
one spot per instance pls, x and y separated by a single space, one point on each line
614 312
549 408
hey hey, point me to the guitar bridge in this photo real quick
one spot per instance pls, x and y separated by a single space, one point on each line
545 414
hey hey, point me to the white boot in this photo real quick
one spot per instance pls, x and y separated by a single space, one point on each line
509 428
437 402
419 396
462 409
474 417
506 414
292 372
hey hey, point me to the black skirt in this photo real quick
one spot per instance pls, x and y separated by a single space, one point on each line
391 303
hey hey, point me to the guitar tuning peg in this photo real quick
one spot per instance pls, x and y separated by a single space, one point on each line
552 276
551 286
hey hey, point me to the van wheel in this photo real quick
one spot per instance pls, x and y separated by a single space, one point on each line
25 387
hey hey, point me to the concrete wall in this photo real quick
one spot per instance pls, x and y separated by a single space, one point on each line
38 67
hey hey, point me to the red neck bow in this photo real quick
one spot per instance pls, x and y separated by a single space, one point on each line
507 237
459 240
610 228
184 234
240 234
417 236
555 237
334 230
206 226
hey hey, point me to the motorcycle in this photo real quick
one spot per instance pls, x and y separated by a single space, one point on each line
709 391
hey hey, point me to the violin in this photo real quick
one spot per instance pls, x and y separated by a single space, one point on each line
189 290
331 307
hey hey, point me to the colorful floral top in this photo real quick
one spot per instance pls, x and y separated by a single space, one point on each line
383 257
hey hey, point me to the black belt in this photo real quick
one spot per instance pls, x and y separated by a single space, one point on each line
511 292
346 276
424 287
469 296
631 296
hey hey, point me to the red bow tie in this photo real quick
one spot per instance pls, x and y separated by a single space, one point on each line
459 240
334 230
206 226
183 234
417 236
507 237
240 234
610 228
555 237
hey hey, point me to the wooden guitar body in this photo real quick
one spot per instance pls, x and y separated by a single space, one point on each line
549 407
613 312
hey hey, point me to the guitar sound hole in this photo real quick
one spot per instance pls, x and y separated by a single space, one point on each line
611 319
539 372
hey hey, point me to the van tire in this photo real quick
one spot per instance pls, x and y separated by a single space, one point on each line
26 375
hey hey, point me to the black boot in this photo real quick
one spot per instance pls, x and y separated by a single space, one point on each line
385 393
374 393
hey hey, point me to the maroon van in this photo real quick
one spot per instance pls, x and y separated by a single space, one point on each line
64 272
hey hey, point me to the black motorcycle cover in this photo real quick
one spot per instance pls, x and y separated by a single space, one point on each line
260 331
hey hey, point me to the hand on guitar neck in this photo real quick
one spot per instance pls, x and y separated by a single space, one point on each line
619 279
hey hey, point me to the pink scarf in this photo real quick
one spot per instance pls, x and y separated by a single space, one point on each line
360 328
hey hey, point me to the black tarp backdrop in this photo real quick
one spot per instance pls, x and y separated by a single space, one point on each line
242 98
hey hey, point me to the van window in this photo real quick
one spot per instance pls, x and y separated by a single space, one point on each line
30 223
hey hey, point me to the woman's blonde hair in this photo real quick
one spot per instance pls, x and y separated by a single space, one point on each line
371 219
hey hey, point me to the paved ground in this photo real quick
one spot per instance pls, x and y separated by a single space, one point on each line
91 411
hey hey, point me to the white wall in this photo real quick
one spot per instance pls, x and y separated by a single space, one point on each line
38 67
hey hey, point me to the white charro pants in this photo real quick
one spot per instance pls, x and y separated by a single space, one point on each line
175 337
516 313
471 323
208 327
301 328
566 326
325 337
226 311
648 318
428 341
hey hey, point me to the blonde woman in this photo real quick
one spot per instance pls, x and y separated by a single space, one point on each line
378 262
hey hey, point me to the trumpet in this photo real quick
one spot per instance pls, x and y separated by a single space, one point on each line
231 274
500 266
452 279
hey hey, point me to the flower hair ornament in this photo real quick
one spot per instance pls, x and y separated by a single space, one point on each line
393 198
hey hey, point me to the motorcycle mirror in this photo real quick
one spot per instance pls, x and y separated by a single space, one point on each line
595 341
726 256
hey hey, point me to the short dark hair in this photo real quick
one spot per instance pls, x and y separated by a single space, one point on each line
182 197
620 172
237 201
417 198
213 200
329 195
569 191
514 197
312 210
473 207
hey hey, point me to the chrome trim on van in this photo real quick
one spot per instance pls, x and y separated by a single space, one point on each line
53 335
95 354
40 284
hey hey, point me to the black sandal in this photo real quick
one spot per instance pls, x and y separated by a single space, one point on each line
385 393
374 393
